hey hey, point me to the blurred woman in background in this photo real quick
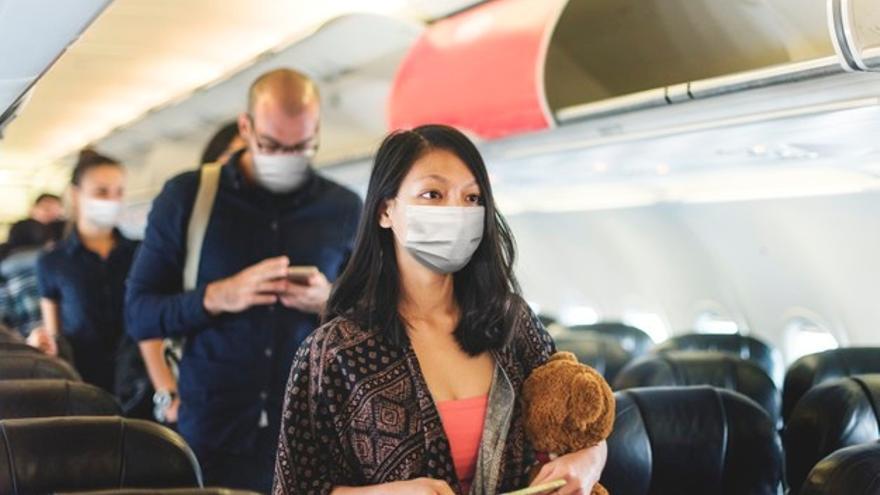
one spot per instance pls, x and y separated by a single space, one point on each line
81 282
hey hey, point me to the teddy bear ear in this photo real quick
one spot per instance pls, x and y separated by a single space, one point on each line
564 356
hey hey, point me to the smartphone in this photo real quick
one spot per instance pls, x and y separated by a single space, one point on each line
541 489
301 274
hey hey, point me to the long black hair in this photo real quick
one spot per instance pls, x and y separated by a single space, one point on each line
219 142
486 290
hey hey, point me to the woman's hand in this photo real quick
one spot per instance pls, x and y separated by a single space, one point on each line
418 486
42 340
580 470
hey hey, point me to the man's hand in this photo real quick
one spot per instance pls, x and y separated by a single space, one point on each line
257 285
308 298
41 339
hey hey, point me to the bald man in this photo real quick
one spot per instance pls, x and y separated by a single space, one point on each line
273 215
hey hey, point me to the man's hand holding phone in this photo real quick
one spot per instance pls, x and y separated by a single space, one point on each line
306 290
257 285
272 280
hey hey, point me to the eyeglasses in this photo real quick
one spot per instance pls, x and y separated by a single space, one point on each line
269 146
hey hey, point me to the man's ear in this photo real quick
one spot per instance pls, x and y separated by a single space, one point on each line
244 126
385 213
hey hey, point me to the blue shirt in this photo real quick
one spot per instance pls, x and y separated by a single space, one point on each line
234 366
89 292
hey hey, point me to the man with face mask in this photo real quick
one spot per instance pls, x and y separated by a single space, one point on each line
246 316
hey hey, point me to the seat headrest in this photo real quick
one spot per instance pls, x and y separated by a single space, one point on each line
6 347
813 369
34 365
48 398
689 441
717 369
853 470
744 346
92 453
605 355
9 335
828 417
632 339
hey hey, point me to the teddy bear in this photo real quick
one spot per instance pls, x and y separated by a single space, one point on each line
567 406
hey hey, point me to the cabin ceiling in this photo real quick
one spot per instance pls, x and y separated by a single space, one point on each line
140 55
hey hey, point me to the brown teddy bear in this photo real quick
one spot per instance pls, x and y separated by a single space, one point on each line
567 407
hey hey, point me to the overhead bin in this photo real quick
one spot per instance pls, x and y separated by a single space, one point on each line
603 49
480 70
602 57
33 34
855 27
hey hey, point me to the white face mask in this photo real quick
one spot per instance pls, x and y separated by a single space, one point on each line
444 238
281 173
103 213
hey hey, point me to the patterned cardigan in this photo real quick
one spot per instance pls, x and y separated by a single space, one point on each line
358 412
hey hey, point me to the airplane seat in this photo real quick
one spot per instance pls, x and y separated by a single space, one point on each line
829 417
166 491
689 368
47 455
546 319
632 339
744 346
853 470
689 441
9 335
604 354
48 398
10 346
35 365
814 369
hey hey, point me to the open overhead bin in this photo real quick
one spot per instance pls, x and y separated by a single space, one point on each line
480 70
512 66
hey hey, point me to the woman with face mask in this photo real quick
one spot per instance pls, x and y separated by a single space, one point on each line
81 282
412 384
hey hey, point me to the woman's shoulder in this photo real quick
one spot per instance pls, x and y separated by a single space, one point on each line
342 331
53 256
342 336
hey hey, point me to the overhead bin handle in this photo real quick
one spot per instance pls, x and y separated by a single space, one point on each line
843 26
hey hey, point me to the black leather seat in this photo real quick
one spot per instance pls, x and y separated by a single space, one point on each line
6 347
546 319
688 368
166 491
852 471
813 369
35 365
691 441
748 348
604 354
829 417
47 455
9 335
632 339
47 398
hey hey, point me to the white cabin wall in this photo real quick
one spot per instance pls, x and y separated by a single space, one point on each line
763 262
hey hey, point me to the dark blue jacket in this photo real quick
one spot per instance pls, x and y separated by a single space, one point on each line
89 292
234 366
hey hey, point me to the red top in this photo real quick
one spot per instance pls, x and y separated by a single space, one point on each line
463 422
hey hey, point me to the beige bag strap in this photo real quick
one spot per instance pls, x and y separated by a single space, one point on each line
209 182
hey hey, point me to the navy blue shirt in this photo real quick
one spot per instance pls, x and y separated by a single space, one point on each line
89 292
234 366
